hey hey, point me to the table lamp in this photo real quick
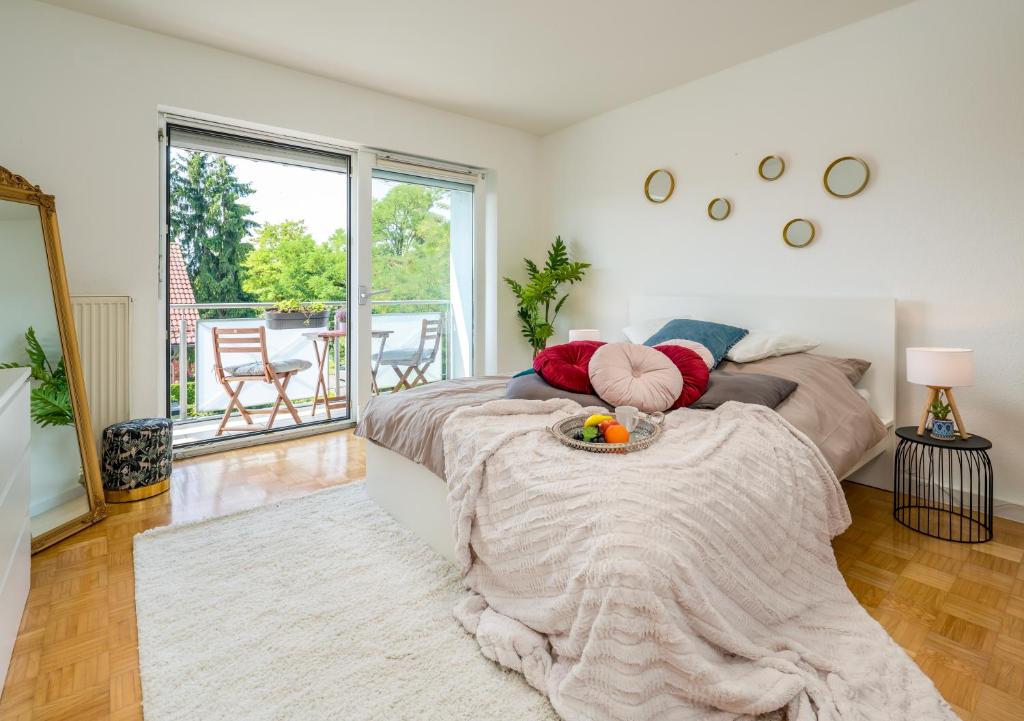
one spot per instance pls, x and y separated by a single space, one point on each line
941 369
584 334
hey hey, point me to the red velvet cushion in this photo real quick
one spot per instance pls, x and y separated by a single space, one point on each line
565 366
693 369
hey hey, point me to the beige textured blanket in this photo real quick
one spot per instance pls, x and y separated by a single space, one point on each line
693 580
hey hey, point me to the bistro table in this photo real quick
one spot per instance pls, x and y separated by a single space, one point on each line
322 340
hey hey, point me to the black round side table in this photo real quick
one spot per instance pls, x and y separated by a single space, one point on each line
943 489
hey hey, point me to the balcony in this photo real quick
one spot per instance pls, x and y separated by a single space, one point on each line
395 325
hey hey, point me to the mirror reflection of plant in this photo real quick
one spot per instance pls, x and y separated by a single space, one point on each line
535 298
51 397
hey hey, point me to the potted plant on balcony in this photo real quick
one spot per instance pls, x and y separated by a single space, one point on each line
296 314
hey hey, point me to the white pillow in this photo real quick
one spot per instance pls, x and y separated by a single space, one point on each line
643 330
757 344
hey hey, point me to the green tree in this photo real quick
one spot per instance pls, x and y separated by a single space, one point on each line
411 242
287 264
404 218
211 224
419 274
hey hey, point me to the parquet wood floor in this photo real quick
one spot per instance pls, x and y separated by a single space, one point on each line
958 610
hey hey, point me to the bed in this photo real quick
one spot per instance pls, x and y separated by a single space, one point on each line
847 327
693 580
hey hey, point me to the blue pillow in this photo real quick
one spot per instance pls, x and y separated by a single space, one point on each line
716 337
526 372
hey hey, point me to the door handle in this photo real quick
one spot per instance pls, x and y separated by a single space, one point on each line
365 294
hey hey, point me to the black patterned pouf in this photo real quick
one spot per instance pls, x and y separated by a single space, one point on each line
136 459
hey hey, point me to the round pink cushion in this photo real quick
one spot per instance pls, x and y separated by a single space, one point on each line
693 370
565 366
626 374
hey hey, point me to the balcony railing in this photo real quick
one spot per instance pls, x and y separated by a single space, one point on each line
183 351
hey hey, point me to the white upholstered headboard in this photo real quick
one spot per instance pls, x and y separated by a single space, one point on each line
847 327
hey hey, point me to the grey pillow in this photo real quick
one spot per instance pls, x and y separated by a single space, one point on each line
852 368
763 390
534 388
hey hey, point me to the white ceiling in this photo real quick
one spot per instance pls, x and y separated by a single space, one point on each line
538 65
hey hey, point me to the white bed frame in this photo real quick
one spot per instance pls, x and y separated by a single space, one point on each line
847 327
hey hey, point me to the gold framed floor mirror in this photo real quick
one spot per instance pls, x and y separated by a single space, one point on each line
37 332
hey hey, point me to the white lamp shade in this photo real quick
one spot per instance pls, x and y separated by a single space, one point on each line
940 367
584 334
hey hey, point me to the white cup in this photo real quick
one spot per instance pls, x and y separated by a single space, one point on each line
627 416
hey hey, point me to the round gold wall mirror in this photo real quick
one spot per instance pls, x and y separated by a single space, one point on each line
845 177
798 233
771 167
719 209
659 186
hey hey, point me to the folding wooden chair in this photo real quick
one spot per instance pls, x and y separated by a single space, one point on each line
227 341
413 362
382 336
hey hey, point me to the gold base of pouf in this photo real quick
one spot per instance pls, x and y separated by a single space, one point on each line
137 494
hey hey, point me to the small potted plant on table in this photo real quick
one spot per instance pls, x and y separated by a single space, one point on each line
296 314
942 427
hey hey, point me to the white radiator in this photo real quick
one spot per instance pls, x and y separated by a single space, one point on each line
103 326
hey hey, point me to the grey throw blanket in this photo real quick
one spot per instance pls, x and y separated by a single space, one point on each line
409 422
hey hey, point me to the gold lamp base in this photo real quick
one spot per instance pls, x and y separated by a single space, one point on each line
933 395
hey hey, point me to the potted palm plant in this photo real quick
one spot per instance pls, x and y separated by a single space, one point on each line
296 314
942 427
538 299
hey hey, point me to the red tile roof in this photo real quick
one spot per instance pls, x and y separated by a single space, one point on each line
180 287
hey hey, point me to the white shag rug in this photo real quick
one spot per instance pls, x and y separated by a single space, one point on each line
312 609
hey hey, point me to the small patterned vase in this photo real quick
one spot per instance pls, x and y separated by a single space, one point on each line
943 430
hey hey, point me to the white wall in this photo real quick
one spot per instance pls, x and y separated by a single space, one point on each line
80 118
930 95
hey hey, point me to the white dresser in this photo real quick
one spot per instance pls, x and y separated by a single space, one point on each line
15 539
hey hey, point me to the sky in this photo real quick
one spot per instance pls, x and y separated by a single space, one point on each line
291 192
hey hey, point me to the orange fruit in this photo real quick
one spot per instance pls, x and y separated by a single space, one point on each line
616 434
604 425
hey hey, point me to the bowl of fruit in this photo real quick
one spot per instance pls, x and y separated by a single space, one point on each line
600 433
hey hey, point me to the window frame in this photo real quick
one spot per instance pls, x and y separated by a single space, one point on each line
261 146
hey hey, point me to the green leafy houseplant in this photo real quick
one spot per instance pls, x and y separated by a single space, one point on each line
939 409
538 299
51 397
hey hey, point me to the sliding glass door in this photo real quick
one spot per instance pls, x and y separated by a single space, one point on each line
258 249
423 279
